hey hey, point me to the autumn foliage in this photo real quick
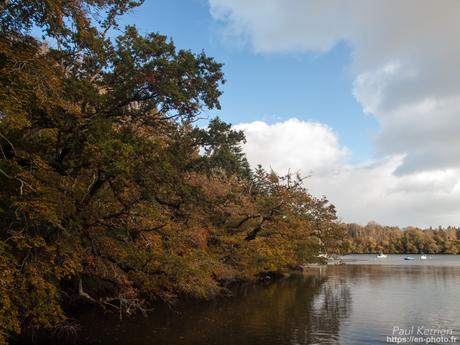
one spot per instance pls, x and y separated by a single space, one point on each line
375 238
109 195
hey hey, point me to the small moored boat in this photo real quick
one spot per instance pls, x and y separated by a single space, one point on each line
408 258
423 257
381 256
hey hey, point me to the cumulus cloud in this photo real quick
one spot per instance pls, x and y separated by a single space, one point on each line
362 192
405 56
404 70
293 144
372 191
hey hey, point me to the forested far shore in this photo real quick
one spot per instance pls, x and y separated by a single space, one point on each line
375 238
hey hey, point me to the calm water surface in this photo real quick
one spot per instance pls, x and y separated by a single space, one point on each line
356 303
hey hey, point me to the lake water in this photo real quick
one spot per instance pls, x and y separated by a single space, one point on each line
362 302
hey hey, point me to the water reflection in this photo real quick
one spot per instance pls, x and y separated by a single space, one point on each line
346 304
304 309
404 296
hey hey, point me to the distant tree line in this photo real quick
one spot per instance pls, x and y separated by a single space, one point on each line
375 238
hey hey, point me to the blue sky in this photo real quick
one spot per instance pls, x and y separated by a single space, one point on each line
361 95
269 87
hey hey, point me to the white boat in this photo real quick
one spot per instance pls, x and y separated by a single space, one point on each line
423 257
381 256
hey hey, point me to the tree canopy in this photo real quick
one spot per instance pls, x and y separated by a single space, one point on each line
110 195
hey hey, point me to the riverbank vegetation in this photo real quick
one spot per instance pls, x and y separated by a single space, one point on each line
375 238
110 194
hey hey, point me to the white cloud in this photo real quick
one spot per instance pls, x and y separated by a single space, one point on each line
374 192
404 66
427 131
361 192
293 144
270 27
405 54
